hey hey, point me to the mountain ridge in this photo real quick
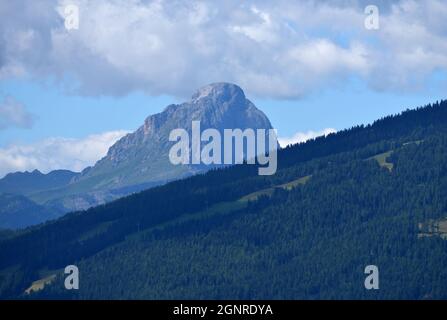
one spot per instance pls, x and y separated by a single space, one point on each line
33 181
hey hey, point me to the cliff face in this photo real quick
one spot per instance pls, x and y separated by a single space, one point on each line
141 159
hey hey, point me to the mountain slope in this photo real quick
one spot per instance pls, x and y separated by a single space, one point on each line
142 156
199 238
312 242
17 211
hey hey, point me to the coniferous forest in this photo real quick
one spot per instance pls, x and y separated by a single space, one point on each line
369 195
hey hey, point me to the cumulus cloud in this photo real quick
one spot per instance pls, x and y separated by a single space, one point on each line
278 49
303 136
14 114
57 153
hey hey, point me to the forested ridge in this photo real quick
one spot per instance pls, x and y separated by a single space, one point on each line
197 238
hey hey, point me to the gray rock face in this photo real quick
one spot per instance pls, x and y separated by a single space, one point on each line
140 159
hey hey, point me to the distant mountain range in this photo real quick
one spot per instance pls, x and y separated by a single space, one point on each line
137 161
31 182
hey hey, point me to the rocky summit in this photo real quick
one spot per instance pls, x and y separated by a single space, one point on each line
140 159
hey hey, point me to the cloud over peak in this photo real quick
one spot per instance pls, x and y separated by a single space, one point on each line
276 49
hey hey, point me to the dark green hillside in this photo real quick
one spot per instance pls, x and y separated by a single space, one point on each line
17 211
331 209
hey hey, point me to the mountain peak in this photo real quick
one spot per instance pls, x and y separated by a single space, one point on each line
219 91
141 159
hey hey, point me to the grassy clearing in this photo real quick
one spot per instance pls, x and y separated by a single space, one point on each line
269 191
40 284
433 228
228 207
99 229
417 142
381 159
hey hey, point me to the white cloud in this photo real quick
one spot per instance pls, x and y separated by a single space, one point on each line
262 30
278 49
303 136
57 153
14 114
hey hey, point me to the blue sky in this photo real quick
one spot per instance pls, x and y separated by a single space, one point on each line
311 66
68 115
